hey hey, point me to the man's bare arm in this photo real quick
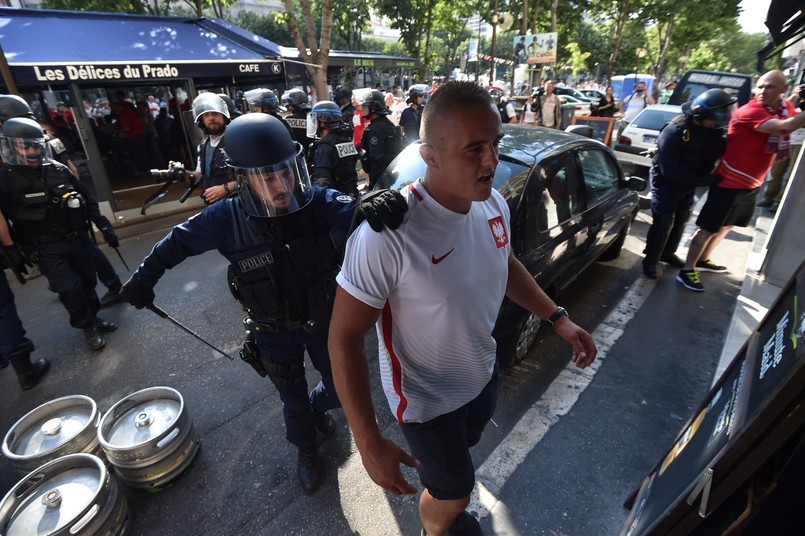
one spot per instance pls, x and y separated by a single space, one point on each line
781 127
351 320
5 233
524 291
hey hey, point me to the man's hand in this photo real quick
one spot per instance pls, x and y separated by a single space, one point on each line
110 237
17 258
382 208
137 293
382 461
584 350
214 193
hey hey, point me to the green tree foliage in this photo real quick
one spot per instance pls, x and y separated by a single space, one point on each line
578 59
268 26
111 6
350 22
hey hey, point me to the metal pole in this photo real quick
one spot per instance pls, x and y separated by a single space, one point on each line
494 35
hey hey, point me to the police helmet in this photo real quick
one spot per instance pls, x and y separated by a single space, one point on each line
423 89
23 143
327 114
714 104
264 98
497 94
230 106
268 166
413 94
14 106
295 98
341 95
209 102
376 102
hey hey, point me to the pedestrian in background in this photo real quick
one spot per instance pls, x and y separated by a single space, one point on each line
530 110
440 285
411 117
758 133
550 112
606 106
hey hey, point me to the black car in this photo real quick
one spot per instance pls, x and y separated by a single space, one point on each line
570 206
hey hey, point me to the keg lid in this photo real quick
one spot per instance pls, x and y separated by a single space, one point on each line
143 422
66 487
49 426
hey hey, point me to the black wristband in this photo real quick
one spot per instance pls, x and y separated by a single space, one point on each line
559 313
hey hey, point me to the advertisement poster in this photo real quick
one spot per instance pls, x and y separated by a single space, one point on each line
472 51
538 48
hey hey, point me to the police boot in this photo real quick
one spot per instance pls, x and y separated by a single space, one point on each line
29 373
308 470
93 338
104 326
324 422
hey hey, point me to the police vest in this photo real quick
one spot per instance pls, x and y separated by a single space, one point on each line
217 172
382 126
58 149
284 275
504 114
343 173
700 147
298 123
44 205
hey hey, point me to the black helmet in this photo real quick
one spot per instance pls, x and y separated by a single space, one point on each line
264 98
413 94
715 104
295 98
341 94
233 111
268 166
376 102
422 89
14 106
23 143
327 114
209 102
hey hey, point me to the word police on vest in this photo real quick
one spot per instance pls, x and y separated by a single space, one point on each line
258 261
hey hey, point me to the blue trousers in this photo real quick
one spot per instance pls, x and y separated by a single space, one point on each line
14 345
285 352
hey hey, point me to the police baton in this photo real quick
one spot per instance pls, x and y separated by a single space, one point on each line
165 315
121 259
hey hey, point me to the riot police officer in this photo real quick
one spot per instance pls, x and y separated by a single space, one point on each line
334 154
51 211
265 101
688 149
380 141
411 117
295 100
279 234
15 106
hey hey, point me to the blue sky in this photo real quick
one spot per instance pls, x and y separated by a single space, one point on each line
753 15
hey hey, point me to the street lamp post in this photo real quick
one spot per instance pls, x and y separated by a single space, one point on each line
494 34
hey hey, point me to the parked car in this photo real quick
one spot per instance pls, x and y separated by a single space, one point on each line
582 107
595 94
573 92
570 204
641 135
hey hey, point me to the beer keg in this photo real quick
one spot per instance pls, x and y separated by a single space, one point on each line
74 495
67 425
148 438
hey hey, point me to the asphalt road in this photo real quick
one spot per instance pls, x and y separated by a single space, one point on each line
602 433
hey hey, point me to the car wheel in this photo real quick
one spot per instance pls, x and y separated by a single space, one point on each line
515 348
614 250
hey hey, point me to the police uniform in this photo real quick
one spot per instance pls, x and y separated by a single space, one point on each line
211 160
283 273
298 123
334 159
686 156
380 143
51 210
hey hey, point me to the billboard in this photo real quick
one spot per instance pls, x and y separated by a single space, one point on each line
537 48
472 51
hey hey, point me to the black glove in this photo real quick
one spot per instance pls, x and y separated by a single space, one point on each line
110 237
324 182
381 208
710 180
17 258
137 293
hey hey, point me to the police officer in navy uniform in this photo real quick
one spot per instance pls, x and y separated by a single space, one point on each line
282 237
334 155
381 140
15 106
265 101
688 149
295 100
411 117
51 210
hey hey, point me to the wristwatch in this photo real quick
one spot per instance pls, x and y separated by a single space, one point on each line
559 313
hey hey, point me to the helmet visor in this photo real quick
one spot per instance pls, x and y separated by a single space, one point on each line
721 116
24 151
311 125
275 189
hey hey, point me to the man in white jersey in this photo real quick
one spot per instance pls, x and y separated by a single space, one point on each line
433 287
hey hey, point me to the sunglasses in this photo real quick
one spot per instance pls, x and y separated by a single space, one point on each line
31 145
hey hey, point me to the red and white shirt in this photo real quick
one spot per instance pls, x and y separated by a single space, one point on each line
439 280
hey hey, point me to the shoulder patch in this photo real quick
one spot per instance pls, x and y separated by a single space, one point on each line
344 198
56 146
373 140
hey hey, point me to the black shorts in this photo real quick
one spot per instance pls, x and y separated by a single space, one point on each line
727 206
442 445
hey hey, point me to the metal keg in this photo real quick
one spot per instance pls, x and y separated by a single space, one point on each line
72 495
148 438
67 425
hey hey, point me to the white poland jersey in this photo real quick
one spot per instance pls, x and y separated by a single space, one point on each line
439 280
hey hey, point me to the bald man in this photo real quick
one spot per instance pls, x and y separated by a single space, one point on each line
758 133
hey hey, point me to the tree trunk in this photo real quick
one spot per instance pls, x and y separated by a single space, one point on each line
317 54
665 44
623 15
554 8
428 30
524 20
534 17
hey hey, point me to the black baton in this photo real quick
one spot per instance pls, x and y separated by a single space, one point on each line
121 259
165 315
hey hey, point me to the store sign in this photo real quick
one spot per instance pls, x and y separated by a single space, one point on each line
139 71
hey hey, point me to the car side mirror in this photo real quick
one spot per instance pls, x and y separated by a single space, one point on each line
638 184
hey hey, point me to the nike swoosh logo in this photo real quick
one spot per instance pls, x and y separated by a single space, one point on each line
437 260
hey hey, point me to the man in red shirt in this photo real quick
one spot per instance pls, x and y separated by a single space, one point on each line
758 133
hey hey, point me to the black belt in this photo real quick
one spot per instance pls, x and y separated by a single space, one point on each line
51 238
274 325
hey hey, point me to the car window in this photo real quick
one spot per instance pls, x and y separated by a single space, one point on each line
600 175
560 196
654 119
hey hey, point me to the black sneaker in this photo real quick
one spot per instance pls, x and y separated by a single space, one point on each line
324 422
111 297
308 470
93 338
104 326
710 266
673 260
690 280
